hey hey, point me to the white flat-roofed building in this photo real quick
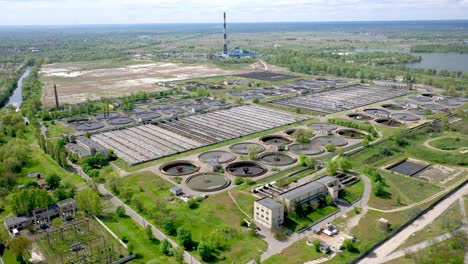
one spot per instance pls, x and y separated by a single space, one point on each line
268 212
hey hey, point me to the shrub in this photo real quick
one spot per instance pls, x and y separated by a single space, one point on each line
184 235
279 234
192 203
349 245
239 181
316 245
121 211
330 148
169 227
204 250
166 247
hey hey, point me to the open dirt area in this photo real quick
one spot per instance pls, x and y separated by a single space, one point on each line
78 81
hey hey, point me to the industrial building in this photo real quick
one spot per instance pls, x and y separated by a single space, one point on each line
236 51
270 212
42 217
84 147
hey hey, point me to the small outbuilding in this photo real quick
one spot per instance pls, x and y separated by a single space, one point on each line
176 190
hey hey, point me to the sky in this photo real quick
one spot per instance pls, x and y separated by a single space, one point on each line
76 12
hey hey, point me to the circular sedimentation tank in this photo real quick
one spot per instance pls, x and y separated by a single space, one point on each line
449 102
135 111
107 115
120 120
405 117
173 111
217 156
148 116
143 101
291 131
403 102
327 140
277 159
246 169
434 107
427 94
207 182
417 111
393 107
183 103
179 168
306 149
87 126
159 107
376 112
243 148
275 140
351 133
322 126
388 122
360 116
421 98
216 103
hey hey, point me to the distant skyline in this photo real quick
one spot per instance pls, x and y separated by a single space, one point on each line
73 12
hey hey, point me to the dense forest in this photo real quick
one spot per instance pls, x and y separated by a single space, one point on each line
456 48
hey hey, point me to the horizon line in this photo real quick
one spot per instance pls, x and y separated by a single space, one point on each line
239 22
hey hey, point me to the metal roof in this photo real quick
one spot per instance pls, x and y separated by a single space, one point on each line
300 190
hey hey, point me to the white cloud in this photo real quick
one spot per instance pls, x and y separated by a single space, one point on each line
170 11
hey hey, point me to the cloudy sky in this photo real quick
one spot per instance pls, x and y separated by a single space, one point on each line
53 12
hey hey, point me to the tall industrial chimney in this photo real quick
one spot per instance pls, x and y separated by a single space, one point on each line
225 52
56 97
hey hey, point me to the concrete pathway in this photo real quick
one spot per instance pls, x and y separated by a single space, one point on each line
275 246
380 253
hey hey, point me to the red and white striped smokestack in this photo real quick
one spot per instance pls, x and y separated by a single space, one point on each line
225 36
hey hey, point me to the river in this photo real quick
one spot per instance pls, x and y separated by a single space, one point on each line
17 98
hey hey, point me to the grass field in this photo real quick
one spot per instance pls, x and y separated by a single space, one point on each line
216 214
295 223
145 249
448 221
451 250
353 192
297 253
56 130
449 143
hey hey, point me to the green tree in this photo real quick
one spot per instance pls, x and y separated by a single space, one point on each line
204 251
53 181
166 247
379 189
169 226
184 235
26 200
252 151
121 211
89 201
332 168
19 245
149 233
178 253
349 245
316 245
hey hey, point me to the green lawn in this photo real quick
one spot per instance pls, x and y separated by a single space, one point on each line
448 221
56 130
451 250
402 188
353 192
294 222
297 253
216 214
449 143
145 249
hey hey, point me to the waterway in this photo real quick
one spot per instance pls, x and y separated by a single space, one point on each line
437 61
16 99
